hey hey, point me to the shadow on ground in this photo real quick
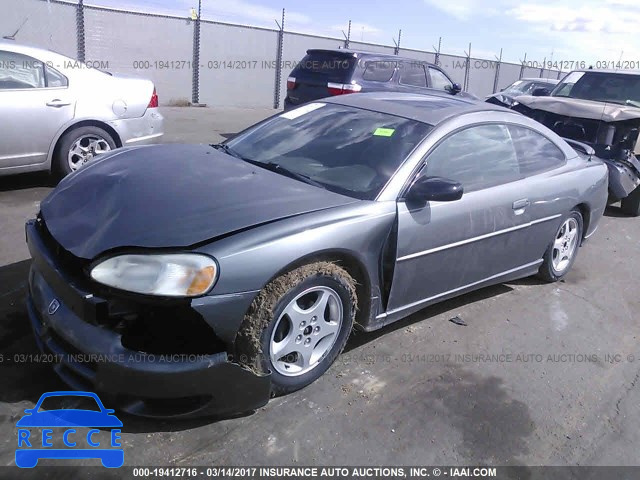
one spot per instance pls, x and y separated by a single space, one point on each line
26 180
359 338
613 211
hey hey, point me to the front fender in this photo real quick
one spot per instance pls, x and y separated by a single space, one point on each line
250 259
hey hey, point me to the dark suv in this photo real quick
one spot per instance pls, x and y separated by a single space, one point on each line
323 73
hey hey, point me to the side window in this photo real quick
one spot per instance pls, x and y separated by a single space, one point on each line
536 153
55 79
413 73
439 80
379 71
478 157
19 71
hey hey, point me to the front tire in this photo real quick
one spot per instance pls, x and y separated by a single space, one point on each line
298 324
631 204
80 146
562 252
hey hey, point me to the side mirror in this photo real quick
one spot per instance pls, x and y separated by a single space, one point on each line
541 92
436 189
454 89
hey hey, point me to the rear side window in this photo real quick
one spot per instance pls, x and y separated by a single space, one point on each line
381 71
536 153
55 79
439 80
413 74
478 157
334 66
19 71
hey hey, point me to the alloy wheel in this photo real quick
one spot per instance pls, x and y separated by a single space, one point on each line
306 331
85 149
565 245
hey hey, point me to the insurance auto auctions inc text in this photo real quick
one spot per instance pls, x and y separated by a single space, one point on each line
351 472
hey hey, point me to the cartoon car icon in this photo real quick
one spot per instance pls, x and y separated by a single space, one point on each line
27 455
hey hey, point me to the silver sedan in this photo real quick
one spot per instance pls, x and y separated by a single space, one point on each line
263 253
57 113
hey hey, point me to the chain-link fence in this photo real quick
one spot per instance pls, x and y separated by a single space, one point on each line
203 61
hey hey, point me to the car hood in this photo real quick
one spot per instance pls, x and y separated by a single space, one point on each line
574 107
501 97
171 196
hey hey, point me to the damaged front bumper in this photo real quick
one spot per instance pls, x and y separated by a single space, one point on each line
88 356
624 177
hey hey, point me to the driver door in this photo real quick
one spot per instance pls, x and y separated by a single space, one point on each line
445 247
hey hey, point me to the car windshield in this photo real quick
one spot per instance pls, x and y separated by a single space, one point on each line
344 149
522 87
619 88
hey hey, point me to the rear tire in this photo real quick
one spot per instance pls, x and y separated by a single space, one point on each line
563 250
631 204
80 146
298 324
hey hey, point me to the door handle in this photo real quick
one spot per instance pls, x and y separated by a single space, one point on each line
521 204
57 103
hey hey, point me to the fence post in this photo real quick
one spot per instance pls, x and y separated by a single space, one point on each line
467 69
276 94
436 60
80 34
496 79
347 37
396 51
544 62
195 80
522 66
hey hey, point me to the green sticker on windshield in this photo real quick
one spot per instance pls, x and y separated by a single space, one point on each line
384 132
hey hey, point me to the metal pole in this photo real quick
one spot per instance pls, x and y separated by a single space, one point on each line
276 97
437 59
466 70
348 39
396 51
523 63
195 81
497 76
544 62
80 34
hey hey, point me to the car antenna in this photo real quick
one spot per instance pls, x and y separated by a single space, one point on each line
13 37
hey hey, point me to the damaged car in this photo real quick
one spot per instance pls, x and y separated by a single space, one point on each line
538 87
209 287
601 109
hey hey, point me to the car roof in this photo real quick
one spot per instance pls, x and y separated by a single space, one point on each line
594 70
367 54
536 79
431 109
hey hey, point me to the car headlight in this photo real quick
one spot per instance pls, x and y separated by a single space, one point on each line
171 275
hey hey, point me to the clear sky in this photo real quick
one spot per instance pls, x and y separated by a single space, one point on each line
578 30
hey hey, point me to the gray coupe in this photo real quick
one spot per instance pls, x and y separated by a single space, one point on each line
205 279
